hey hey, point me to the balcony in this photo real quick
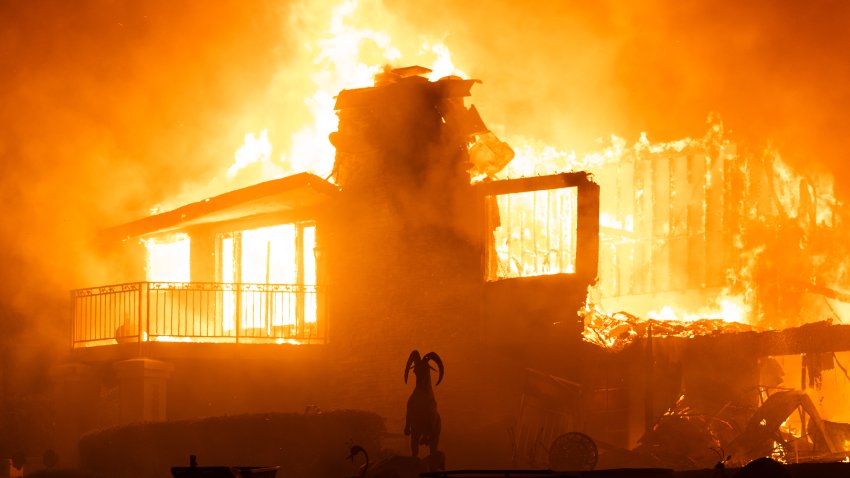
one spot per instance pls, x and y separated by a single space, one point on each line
198 312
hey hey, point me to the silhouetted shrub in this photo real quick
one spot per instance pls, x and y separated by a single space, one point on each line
313 444
60 473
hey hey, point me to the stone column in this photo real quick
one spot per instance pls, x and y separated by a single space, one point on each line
75 402
142 389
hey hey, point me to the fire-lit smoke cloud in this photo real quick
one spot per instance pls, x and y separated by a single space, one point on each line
111 108
570 72
107 108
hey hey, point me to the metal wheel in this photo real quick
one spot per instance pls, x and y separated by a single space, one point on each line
573 451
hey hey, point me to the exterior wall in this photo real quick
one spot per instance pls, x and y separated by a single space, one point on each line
275 379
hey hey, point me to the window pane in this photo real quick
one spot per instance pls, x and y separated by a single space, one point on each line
268 255
309 262
228 276
534 233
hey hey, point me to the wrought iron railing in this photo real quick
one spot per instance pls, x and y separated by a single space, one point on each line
198 312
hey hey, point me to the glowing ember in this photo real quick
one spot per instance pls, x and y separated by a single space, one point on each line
618 330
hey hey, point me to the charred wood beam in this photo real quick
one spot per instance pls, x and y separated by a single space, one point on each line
536 183
811 338
284 194
817 337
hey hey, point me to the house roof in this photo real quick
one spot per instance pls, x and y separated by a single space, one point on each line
292 193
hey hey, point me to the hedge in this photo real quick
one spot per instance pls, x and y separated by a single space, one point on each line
303 445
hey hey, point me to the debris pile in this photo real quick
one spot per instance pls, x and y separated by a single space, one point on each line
620 329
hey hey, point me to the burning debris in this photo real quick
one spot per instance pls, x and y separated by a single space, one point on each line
618 330
686 438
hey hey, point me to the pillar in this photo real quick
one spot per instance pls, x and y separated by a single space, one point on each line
142 389
75 403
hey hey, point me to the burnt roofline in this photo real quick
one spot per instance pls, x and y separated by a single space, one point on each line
229 200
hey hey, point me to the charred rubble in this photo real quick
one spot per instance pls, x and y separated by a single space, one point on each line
711 392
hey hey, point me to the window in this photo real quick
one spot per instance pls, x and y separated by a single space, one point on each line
168 259
273 270
532 233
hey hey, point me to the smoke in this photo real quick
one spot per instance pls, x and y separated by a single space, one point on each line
110 108
570 72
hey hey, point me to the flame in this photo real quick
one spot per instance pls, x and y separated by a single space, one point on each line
345 56
168 338
535 158
536 234
727 309
342 52
443 65
185 340
168 260
255 150
611 221
342 55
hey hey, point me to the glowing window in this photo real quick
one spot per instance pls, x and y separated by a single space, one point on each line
276 267
168 260
533 233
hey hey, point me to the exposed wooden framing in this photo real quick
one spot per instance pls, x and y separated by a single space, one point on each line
626 214
643 266
536 183
696 220
715 246
680 195
661 224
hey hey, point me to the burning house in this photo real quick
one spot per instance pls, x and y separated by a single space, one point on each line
308 291
301 291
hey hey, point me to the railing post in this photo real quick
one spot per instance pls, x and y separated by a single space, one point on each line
147 287
139 315
300 300
73 320
325 304
237 313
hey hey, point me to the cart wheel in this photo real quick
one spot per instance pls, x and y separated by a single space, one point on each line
573 451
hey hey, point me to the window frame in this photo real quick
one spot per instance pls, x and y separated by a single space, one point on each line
587 217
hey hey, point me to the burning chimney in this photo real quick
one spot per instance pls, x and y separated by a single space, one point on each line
405 141
406 249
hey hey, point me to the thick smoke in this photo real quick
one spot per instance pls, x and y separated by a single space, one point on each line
569 72
109 108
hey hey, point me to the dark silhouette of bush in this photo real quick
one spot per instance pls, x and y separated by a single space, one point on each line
763 468
60 473
309 444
